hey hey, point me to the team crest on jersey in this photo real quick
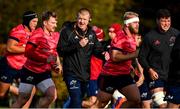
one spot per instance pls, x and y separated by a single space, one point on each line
172 40
90 37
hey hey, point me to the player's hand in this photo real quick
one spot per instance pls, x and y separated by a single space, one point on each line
51 59
83 42
153 74
57 68
138 40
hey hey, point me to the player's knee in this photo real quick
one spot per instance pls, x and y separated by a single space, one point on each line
2 95
158 98
52 96
137 101
25 97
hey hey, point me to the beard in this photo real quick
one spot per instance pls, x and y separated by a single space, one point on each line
133 30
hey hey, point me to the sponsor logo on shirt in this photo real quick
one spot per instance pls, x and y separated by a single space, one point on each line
90 37
157 42
172 40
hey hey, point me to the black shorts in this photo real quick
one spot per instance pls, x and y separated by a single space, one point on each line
109 83
30 77
157 83
7 73
145 91
173 94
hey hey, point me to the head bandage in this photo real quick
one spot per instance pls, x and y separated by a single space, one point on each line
131 20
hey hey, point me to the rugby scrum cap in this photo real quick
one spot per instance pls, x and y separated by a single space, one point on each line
115 27
28 16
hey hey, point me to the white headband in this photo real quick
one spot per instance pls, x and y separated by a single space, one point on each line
131 20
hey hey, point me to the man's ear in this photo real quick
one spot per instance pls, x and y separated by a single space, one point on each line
44 22
90 20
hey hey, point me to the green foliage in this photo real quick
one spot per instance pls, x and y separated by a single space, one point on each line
61 87
103 12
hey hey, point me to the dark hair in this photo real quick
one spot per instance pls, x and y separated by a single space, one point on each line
163 13
28 16
47 15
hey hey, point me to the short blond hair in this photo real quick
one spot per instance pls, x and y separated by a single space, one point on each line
84 11
130 14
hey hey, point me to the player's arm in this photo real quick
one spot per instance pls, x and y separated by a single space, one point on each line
118 56
32 53
13 47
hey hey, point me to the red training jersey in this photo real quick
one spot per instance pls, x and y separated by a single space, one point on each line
126 45
45 45
96 67
20 34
